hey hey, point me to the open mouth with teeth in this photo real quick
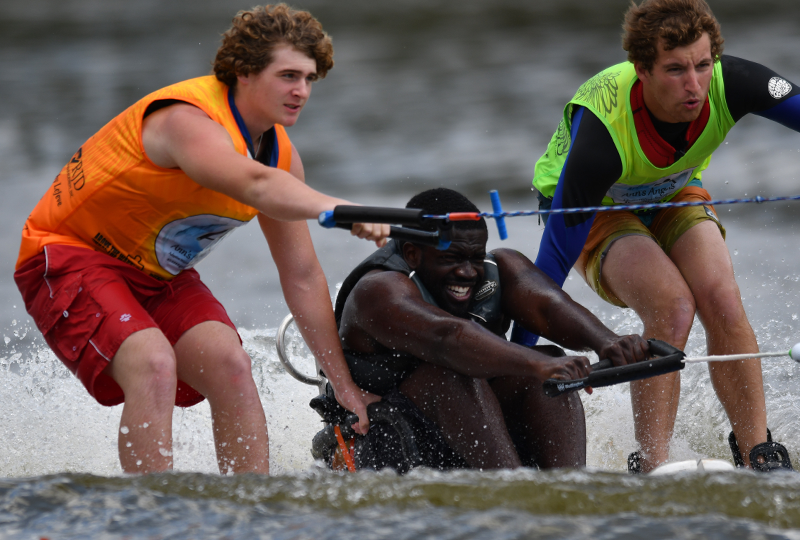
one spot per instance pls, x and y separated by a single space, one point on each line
460 292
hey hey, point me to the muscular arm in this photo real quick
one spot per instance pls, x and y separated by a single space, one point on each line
389 309
592 166
183 136
534 301
306 292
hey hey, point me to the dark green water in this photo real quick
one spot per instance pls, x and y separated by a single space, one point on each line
424 93
422 505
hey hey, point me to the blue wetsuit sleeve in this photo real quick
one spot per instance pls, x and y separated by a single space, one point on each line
561 245
786 113
591 168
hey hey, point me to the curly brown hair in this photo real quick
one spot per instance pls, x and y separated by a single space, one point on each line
248 45
677 22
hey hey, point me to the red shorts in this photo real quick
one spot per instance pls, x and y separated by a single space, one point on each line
86 304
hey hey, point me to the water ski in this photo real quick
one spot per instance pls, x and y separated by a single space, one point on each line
693 465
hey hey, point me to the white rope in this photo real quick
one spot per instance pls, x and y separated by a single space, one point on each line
732 357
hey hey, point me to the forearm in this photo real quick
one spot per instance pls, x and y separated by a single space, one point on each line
280 196
573 326
310 304
457 344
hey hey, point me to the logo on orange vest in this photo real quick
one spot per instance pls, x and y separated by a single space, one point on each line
57 190
184 242
75 176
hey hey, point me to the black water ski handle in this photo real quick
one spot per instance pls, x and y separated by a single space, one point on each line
372 214
668 359
407 235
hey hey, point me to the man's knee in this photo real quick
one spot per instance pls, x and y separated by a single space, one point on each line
228 374
671 318
153 375
721 303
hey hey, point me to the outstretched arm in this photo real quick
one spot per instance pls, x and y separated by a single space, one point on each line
389 309
183 136
534 301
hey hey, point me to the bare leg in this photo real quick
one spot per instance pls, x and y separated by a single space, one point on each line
704 260
665 304
467 412
144 367
212 361
549 432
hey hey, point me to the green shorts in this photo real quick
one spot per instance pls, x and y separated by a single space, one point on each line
663 226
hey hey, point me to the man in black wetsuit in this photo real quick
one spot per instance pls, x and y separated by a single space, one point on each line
642 132
426 330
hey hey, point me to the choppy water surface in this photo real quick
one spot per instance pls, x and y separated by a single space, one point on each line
420 505
424 93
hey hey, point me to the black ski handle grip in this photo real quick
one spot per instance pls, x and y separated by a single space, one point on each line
371 214
603 373
410 235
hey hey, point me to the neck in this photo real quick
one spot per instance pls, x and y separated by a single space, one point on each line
248 114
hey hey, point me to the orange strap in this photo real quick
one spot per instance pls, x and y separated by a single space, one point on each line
464 216
348 458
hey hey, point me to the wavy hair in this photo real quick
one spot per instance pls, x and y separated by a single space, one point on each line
677 22
248 45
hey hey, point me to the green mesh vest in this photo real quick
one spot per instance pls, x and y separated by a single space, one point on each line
607 95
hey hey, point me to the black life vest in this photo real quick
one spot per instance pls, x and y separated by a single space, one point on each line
485 310
381 371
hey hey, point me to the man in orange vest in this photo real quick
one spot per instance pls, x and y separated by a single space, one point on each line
105 265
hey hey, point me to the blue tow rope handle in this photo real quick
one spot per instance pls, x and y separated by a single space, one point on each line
326 219
497 208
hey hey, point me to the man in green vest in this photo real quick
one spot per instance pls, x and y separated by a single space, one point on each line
642 132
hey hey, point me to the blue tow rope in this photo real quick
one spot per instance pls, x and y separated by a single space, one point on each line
499 216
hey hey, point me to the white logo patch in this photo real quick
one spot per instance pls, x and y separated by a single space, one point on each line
652 192
778 87
125 317
184 242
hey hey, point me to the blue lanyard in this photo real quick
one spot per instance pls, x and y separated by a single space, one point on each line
240 122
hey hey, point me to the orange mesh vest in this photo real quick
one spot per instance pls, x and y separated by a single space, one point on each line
110 197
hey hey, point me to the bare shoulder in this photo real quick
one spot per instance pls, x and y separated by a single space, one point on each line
511 259
518 274
172 114
167 129
378 297
380 288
